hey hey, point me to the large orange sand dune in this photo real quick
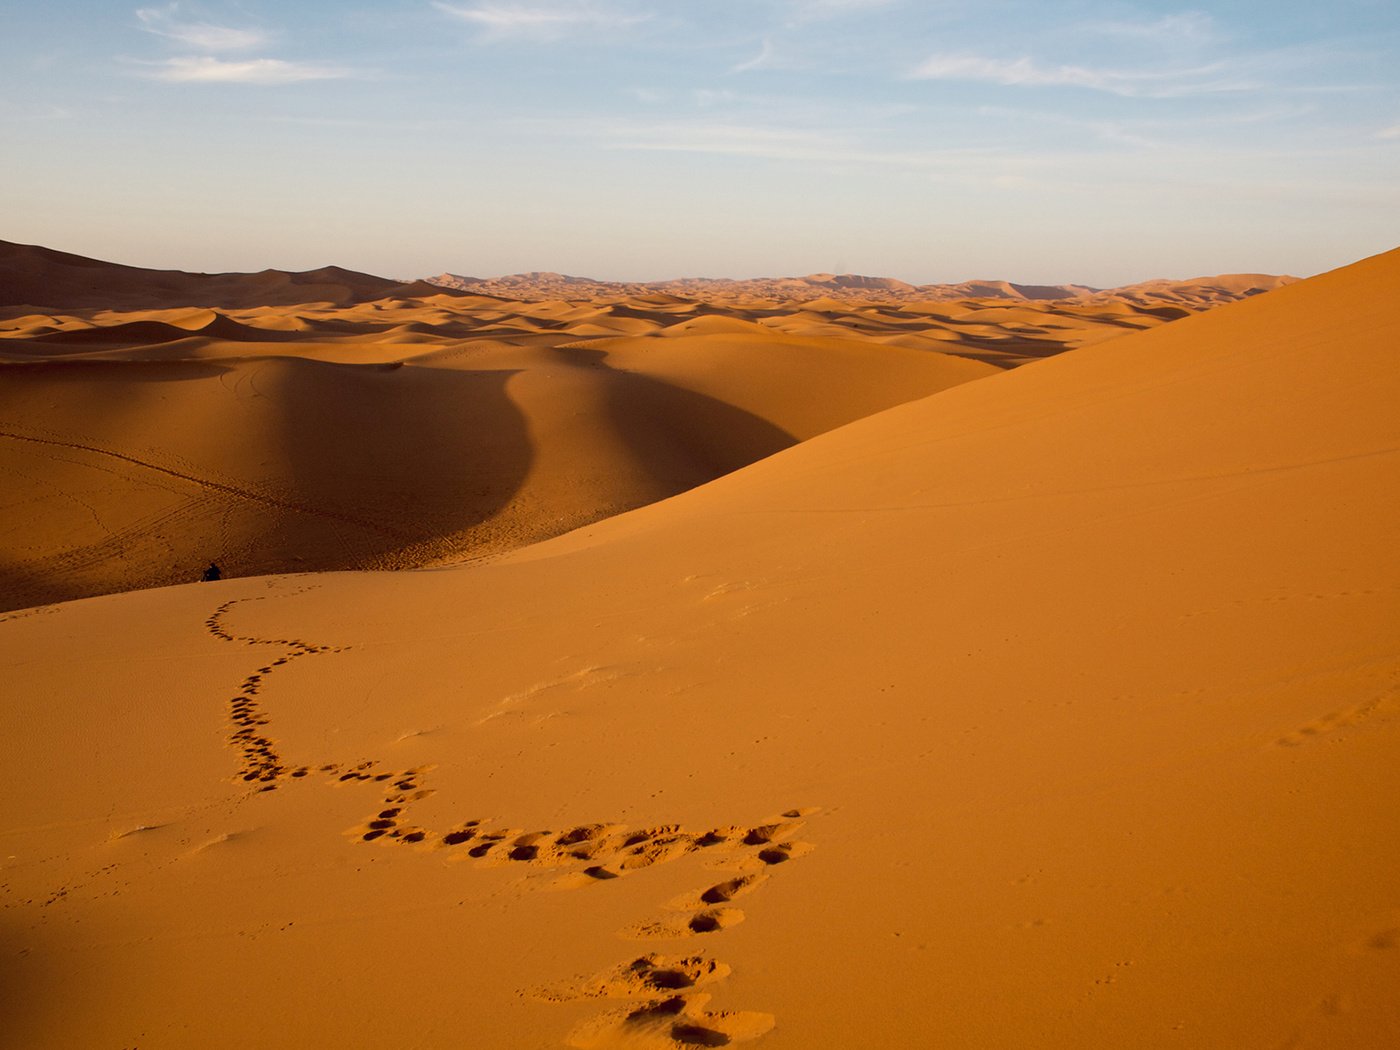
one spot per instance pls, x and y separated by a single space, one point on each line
1058 709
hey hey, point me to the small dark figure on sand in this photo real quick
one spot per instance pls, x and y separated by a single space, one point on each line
212 573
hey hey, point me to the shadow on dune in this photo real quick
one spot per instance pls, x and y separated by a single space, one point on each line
679 437
81 372
401 455
33 976
290 465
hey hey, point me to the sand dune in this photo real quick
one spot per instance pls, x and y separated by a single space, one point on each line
140 445
1058 708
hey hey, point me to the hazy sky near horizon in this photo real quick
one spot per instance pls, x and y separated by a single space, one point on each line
1031 140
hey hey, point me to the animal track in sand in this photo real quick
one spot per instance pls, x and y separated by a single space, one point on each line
673 1013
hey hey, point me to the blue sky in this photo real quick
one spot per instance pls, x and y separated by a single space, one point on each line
1033 140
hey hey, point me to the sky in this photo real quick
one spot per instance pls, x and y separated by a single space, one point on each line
1044 141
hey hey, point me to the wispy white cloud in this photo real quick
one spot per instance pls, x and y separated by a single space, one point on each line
549 21
1166 131
768 142
1392 132
206 69
762 60
1024 72
203 36
1182 27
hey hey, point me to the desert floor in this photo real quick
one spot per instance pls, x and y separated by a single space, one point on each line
921 701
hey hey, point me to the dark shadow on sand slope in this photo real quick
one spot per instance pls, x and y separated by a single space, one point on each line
18 379
410 453
312 466
36 973
679 437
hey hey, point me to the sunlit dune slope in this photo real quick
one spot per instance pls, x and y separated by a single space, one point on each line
1059 709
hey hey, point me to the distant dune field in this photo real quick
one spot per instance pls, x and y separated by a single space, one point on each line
154 423
1059 708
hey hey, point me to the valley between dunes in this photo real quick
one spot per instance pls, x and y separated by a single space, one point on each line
921 701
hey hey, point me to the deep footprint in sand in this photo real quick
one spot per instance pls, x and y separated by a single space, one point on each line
642 978
667 1024
700 923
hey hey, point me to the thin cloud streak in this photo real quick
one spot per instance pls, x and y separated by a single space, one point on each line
203 36
506 20
1023 72
1192 26
760 142
206 69
762 60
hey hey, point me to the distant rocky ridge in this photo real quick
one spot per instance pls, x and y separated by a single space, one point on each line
41 277
1199 291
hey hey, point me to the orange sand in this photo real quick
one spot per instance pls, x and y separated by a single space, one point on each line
1058 709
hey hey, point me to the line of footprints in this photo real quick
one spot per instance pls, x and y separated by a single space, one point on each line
665 997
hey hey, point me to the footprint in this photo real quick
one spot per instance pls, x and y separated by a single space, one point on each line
666 1024
728 891
656 850
700 923
763 835
782 852
712 920
642 978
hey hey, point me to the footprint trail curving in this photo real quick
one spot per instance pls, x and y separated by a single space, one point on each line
667 1008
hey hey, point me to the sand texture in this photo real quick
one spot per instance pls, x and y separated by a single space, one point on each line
1057 709
277 422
